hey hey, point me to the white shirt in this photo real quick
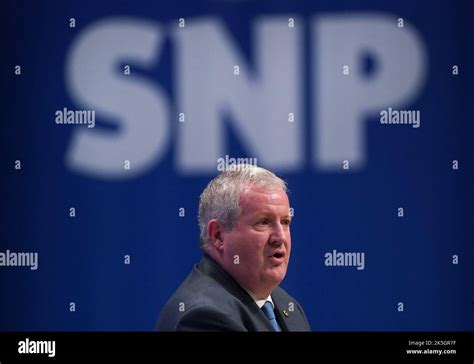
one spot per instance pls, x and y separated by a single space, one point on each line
259 302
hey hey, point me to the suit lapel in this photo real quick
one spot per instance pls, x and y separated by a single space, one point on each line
284 317
212 269
281 313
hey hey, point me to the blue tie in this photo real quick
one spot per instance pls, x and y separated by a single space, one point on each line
268 310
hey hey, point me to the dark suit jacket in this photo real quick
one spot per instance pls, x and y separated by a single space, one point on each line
209 299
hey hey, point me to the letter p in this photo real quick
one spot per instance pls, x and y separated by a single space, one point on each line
347 99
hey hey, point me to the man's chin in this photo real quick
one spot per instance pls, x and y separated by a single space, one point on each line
277 272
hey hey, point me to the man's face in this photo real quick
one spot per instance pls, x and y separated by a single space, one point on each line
257 250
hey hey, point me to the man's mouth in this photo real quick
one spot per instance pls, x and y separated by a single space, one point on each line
277 257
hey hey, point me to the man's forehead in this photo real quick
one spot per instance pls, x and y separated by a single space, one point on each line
256 198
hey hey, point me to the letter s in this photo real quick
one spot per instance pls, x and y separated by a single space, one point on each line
95 80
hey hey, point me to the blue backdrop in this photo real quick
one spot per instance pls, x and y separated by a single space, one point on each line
110 207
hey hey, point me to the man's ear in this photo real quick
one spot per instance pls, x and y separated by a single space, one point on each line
214 231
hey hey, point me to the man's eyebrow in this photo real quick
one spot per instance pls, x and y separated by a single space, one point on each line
267 213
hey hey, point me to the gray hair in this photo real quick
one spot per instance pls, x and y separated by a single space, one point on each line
220 200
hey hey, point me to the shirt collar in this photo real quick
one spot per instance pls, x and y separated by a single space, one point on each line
260 302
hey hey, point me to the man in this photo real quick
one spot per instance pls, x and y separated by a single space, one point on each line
244 218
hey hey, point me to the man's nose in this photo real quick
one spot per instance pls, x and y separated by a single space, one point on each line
278 236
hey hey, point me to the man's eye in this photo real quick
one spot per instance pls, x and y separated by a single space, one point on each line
263 222
286 222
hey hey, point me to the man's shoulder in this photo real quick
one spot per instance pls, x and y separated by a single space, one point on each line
206 295
201 303
201 289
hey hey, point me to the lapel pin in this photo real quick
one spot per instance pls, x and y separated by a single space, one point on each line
285 313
